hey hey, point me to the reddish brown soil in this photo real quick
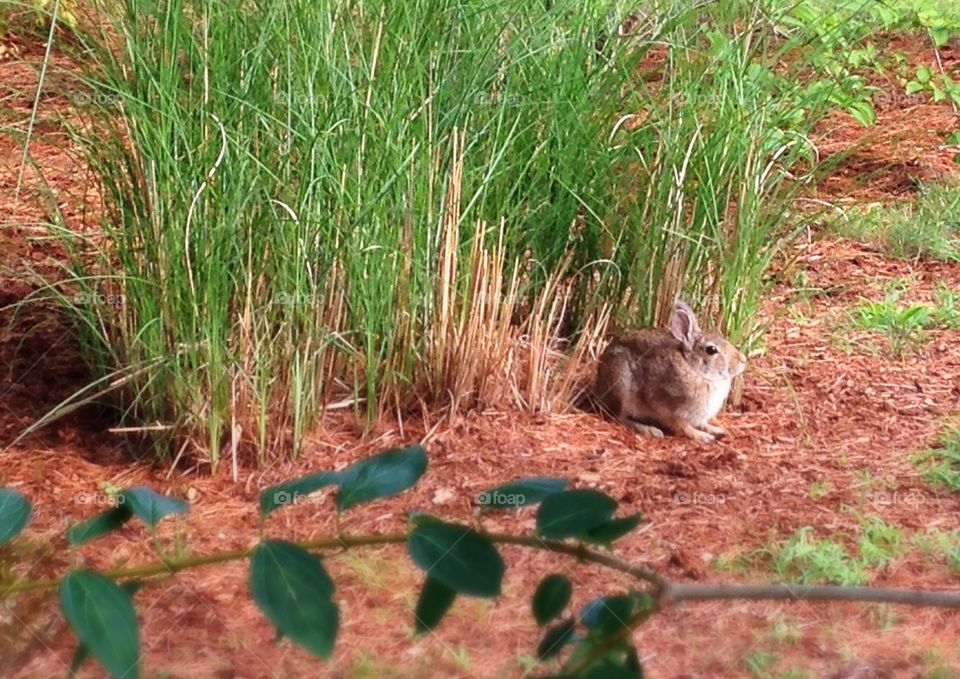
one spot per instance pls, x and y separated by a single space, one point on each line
820 407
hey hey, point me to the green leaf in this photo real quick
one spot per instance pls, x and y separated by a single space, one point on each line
555 639
292 492
611 669
381 475
607 615
522 492
293 590
606 533
457 556
435 600
99 524
913 87
573 512
938 94
940 35
150 506
862 112
924 74
552 596
103 618
14 514
83 651
421 518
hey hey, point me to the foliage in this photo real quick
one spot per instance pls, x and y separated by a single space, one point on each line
840 39
941 86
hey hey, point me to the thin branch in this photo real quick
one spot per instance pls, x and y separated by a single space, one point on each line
664 591
677 592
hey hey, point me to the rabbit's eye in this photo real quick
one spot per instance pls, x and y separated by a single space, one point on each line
712 349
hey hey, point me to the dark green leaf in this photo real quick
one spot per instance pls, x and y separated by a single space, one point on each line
381 475
14 513
150 506
552 596
294 591
606 533
292 492
79 656
555 639
420 518
83 652
610 669
457 556
526 491
573 512
99 524
435 600
607 615
103 618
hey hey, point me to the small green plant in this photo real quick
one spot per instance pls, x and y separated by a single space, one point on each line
902 325
884 616
759 661
819 488
942 545
804 558
784 631
947 302
941 465
879 543
937 666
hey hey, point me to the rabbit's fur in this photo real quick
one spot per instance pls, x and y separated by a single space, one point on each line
674 379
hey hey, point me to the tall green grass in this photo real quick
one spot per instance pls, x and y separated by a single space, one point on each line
394 206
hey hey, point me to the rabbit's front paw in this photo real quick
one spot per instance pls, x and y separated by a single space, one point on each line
714 429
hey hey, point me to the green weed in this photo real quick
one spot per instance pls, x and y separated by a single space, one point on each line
942 545
804 558
941 465
902 325
927 227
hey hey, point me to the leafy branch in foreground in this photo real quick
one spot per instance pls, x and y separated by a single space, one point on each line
293 589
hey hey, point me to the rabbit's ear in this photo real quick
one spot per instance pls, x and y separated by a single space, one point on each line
683 324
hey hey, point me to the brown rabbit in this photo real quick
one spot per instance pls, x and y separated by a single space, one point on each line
674 379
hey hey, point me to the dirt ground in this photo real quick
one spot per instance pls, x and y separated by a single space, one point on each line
820 407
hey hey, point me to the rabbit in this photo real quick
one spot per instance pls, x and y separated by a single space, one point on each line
674 379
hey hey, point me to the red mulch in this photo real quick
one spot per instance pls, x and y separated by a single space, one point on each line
813 411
